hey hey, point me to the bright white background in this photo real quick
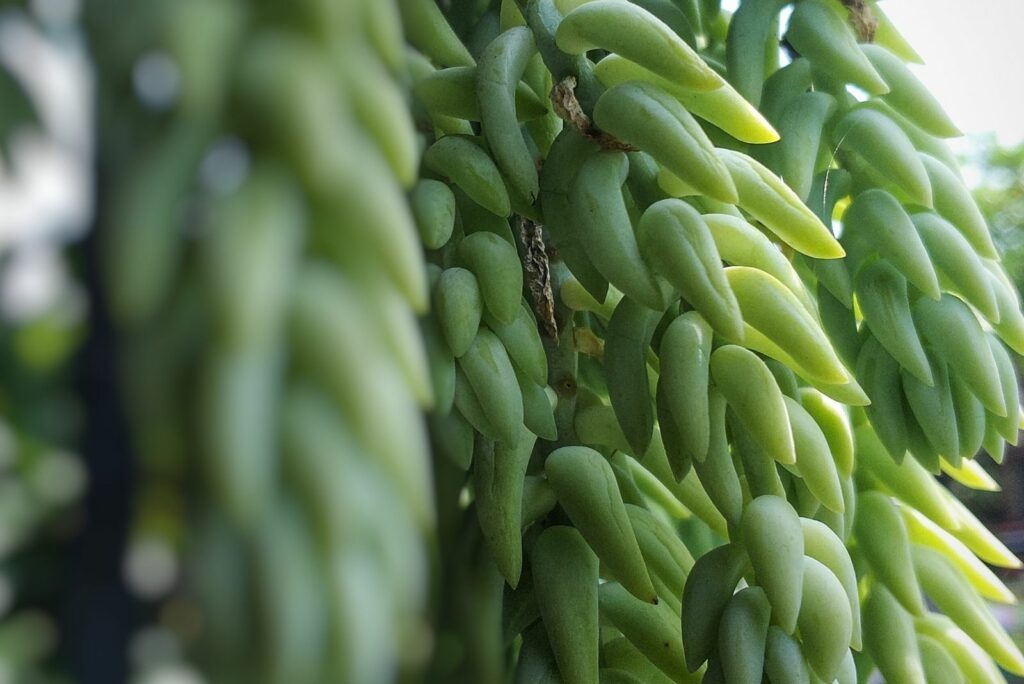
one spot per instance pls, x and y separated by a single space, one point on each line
974 50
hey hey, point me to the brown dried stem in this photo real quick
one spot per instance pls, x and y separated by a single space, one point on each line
567 107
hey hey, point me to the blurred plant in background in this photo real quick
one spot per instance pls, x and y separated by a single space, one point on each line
239 196
996 174
999 189
44 190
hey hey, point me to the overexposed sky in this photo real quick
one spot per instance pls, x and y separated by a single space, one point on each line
974 52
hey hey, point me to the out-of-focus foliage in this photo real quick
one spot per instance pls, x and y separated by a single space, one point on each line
17 110
41 482
997 175
1000 195
42 325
